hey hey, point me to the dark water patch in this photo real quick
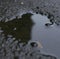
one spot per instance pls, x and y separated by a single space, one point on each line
19 28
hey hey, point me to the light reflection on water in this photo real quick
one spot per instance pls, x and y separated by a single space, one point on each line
48 36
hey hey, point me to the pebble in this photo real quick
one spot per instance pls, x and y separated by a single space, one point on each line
9 36
2 45
22 3
13 38
1 31
14 28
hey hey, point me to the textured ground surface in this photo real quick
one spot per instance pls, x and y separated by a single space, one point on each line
13 49
10 8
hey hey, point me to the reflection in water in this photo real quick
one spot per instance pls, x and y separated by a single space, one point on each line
19 28
13 38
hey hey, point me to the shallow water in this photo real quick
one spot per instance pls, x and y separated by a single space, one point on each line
17 34
48 36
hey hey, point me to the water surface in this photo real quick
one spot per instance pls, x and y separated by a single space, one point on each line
48 36
16 36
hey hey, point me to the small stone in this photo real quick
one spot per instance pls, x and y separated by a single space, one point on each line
22 3
2 45
14 28
18 49
47 24
15 0
7 42
36 44
13 38
3 34
16 41
33 44
1 31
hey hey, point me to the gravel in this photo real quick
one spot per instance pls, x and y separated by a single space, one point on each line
12 8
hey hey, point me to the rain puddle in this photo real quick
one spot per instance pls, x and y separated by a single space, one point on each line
27 38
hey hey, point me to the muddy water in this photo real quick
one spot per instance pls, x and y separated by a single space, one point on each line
48 36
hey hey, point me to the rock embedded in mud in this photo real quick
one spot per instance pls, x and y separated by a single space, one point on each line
33 44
